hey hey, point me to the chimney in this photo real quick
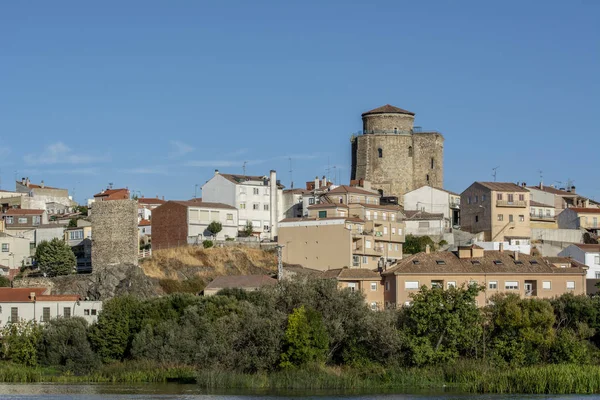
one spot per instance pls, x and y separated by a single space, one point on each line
323 181
216 172
541 185
22 181
524 184
316 182
42 184
427 249
32 295
516 255
572 189
501 247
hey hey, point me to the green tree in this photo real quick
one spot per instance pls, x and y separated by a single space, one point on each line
417 244
440 325
64 343
305 340
214 228
4 281
248 229
72 223
55 258
20 341
82 209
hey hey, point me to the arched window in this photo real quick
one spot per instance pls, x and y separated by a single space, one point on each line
380 151
410 151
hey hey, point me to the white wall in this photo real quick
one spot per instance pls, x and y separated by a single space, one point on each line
436 227
197 227
17 252
220 190
541 197
590 259
428 199
521 248
30 311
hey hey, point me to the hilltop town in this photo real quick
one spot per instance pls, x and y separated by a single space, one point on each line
391 229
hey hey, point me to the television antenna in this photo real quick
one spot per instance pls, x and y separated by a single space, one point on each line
244 167
495 172
541 176
291 174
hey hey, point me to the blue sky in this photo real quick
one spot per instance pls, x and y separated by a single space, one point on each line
154 95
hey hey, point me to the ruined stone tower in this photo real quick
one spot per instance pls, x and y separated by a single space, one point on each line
394 155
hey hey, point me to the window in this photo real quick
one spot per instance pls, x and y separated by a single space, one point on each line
393 231
374 214
380 152
440 262
493 285
368 215
387 285
500 217
432 163
546 285
242 190
521 218
373 286
482 198
510 218
352 286
67 312
256 206
265 228
410 151
46 314
499 196
511 285
521 197
22 220
374 306
469 200
384 216
389 246
266 207
241 222
477 218
392 217
399 231
597 275
475 262
451 284
427 178
36 220
255 191
411 285
266 191
311 201
385 230
86 311
204 216
365 260
548 214
596 258
423 224
76 235
323 214
511 198
14 314
229 217
5 247
498 262
397 248
570 285
242 206
94 311
355 261
368 244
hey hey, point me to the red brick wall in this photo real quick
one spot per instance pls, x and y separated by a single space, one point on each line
169 226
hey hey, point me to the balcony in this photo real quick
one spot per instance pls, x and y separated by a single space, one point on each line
539 217
378 249
455 205
514 203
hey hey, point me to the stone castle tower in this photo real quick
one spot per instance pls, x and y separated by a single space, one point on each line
394 155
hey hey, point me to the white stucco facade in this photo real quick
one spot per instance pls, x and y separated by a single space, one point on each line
434 201
14 251
201 216
586 254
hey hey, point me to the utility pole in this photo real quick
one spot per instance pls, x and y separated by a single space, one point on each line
279 263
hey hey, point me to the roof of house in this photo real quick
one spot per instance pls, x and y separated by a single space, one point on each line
391 207
109 192
422 215
388 109
19 294
351 189
352 274
589 248
296 191
34 186
503 186
534 203
145 222
59 297
240 281
243 178
19 211
436 188
299 219
328 205
496 262
150 200
581 210
553 190
203 204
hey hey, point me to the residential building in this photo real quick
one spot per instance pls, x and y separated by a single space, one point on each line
80 240
244 282
314 194
32 196
580 218
292 203
16 219
421 223
434 201
14 251
351 230
499 210
36 304
560 198
11 200
366 281
112 194
145 227
180 223
146 205
498 271
542 215
394 155
259 199
588 254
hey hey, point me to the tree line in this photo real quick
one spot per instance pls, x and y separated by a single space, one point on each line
299 323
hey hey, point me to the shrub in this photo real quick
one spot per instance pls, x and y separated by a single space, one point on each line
215 227
207 244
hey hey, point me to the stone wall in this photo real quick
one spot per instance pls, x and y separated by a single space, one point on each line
115 233
388 122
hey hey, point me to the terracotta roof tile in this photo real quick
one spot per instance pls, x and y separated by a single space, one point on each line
109 192
352 274
145 222
60 297
589 210
147 200
299 219
387 109
19 294
553 190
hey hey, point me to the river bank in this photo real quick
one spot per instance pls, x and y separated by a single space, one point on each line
466 378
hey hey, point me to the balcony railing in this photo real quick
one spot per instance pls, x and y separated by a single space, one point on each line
514 203
416 129
541 217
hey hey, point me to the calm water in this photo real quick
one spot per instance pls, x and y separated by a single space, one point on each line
191 392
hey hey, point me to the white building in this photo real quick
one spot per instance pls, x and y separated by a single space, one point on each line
522 245
588 254
259 199
421 223
35 304
434 201
14 251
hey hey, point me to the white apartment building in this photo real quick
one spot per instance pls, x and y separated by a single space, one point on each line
14 251
434 201
588 254
259 199
35 304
